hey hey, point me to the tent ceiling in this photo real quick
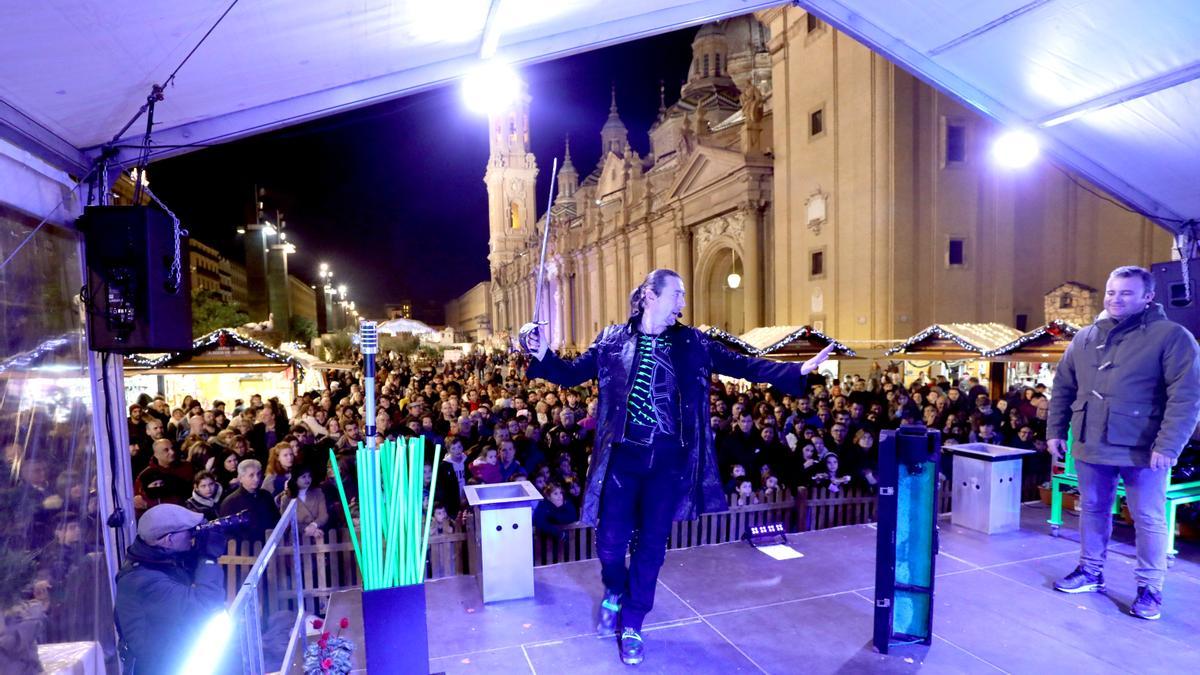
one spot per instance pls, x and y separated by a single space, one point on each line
76 70
1112 86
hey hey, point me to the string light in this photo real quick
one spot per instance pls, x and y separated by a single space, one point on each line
951 332
1057 330
802 332
222 337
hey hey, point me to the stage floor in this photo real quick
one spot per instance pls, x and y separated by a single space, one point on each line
731 609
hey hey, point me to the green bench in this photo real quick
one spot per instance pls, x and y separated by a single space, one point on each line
1177 495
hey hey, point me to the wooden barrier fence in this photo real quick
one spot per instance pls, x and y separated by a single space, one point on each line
328 565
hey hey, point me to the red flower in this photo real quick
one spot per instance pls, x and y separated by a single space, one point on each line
317 623
345 623
325 636
326 664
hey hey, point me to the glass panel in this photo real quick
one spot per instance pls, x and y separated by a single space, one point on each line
53 571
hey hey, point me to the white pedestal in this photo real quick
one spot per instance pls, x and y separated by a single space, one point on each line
987 487
504 533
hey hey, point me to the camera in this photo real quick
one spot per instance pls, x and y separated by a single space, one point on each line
223 525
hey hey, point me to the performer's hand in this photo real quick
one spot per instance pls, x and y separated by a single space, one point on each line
811 364
531 340
1160 461
1057 448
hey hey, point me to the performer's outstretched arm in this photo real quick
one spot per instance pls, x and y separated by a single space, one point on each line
566 373
789 377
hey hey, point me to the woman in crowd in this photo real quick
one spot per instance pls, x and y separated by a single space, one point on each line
312 513
279 467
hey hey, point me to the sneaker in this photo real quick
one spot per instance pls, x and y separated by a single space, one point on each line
610 607
1080 581
1148 604
632 648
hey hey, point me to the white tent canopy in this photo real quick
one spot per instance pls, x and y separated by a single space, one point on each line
1111 85
73 72
395 326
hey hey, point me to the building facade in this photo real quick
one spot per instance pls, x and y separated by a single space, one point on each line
470 314
210 270
798 179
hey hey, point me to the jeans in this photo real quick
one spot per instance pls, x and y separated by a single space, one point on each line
641 492
1146 491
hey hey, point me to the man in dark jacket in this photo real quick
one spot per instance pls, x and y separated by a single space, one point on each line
1128 387
654 455
167 589
258 504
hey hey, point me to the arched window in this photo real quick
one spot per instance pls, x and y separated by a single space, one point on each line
717 65
514 212
705 71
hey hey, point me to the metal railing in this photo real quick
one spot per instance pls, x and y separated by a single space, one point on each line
246 609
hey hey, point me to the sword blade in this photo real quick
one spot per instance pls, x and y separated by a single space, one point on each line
541 277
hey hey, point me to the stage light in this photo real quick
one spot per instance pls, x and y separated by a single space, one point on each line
269 229
211 641
324 267
283 236
241 230
342 290
492 87
1015 149
734 280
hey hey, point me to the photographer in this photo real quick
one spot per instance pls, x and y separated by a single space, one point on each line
168 588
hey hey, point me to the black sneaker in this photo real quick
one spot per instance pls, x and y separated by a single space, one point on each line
1148 604
610 607
1080 581
632 648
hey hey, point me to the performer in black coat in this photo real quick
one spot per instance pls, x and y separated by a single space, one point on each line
654 457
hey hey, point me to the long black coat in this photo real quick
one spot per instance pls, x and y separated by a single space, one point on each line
694 357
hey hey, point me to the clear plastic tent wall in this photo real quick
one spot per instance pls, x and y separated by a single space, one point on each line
54 590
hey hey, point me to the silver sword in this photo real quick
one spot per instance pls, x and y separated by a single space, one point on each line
541 278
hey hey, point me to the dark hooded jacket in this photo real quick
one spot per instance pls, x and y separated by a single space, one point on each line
694 358
1126 389
163 602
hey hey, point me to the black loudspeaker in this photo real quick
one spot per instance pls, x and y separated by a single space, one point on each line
1180 301
133 302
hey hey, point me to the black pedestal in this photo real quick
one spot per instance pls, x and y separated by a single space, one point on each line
395 632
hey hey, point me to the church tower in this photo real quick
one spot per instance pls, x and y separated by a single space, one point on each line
613 135
510 180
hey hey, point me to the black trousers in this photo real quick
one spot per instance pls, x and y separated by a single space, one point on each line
641 492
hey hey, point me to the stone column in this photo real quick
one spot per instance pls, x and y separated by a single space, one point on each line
684 265
752 271
278 298
255 241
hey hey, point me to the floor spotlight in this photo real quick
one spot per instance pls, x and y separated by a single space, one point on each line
491 87
206 652
1015 149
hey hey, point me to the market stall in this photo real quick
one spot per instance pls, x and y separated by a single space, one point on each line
956 350
220 365
1030 359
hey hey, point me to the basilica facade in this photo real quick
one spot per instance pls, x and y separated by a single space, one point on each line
799 179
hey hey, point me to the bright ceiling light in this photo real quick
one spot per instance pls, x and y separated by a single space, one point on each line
490 88
1015 149
734 280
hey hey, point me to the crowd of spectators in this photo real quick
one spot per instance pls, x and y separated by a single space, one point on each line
494 425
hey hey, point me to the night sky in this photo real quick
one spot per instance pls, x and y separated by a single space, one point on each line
392 195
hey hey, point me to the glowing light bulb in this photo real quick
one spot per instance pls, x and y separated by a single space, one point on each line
1015 149
491 87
